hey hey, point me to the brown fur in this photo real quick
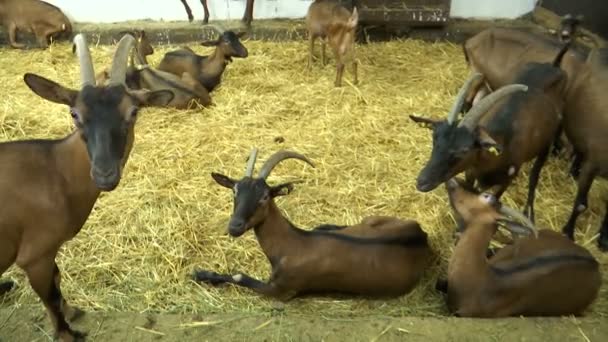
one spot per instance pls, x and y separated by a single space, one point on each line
48 205
476 289
329 20
44 20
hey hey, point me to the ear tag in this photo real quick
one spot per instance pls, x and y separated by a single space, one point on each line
493 150
139 40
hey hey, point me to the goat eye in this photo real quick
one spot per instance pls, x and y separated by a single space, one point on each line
134 112
74 113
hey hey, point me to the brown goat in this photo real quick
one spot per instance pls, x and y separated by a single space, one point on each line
144 47
207 70
542 275
42 19
328 19
495 138
48 205
382 262
247 17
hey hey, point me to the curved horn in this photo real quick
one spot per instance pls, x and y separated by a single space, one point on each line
251 162
217 28
475 114
514 214
121 57
278 157
461 96
87 72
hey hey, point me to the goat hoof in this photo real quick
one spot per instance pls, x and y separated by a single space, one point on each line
76 314
568 234
6 286
208 277
70 335
602 243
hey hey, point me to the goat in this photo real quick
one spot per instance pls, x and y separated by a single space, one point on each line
247 17
145 48
327 19
495 138
207 70
42 19
188 91
48 205
585 128
388 263
542 275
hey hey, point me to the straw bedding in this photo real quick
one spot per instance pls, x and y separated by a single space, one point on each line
168 217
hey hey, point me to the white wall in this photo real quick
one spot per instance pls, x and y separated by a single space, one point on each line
121 10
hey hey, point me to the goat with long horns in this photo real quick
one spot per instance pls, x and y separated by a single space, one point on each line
48 187
381 256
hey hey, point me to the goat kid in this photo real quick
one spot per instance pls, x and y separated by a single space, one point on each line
329 20
48 205
542 275
207 70
247 16
42 19
388 263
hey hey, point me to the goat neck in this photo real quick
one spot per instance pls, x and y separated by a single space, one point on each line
275 233
469 259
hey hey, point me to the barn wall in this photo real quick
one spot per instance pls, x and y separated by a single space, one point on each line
122 10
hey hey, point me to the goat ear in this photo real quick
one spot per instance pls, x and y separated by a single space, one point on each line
281 190
50 90
211 43
222 180
354 19
486 142
424 122
158 98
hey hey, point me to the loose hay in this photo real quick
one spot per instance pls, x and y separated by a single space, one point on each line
168 217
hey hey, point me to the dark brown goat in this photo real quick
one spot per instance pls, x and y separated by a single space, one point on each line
42 19
247 17
542 275
496 137
329 20
207 70
381 256
48 205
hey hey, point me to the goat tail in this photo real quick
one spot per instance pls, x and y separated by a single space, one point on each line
557 62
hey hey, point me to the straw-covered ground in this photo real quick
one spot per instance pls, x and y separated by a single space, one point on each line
167 217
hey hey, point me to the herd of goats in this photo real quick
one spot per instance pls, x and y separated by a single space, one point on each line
527 94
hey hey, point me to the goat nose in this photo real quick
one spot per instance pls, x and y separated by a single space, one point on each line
105 172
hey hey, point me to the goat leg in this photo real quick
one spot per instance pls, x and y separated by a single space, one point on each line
12 36
356 78
267 289
442 285
575 168
206 9
533 182
585 180
311 45
339 72
188 10
602 241
248 15
43 275
323 50
6 286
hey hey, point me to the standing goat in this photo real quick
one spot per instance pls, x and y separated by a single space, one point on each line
42 19
207 70
48 205
247 17
542 275
327 19
496 137
387 261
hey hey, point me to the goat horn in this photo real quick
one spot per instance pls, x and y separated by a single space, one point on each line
461 96
475 114
217 29
87 72
251 162
510 212
278 157
121 58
